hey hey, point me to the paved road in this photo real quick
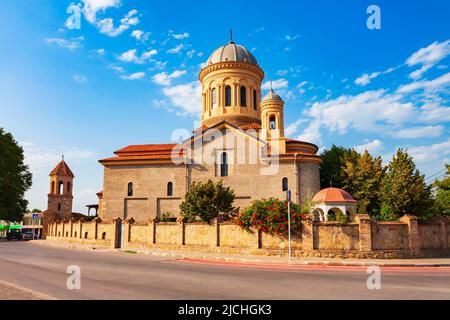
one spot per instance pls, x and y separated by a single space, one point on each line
108 275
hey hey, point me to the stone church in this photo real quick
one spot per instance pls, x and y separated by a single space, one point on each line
241 141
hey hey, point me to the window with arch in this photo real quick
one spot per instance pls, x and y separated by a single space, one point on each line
130 189
170 189
255 100
68 187
243 96
75 234
285 184
60 187
224 165
59 206
227 96
53 187
86 235
214 98
103 235
272 123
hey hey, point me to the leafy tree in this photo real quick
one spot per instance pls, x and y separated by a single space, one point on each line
206 201
362 179
271 216
15 179
334 160
442 193
36 211
403 189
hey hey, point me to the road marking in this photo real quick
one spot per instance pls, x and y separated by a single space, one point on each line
30 291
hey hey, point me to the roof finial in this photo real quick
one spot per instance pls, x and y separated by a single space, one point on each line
62 157
271 87
231 35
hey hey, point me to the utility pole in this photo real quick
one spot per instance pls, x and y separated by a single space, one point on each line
288 196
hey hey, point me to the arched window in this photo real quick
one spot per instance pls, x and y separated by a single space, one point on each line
272 123
255 100
170 189
53 188
214 98
75 234
227 96
224 165
130 189
60 187
243 96
85 235
103 235
59 206
285 184
68 187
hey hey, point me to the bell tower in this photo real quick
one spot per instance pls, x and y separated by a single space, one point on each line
61 191
272 122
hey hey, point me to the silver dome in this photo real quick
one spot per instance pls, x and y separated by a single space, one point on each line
231 52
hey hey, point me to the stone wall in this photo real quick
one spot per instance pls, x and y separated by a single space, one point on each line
362 239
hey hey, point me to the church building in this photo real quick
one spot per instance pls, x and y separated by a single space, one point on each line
241 141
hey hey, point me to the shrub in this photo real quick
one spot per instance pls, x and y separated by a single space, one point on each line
206 201
167 217
271 216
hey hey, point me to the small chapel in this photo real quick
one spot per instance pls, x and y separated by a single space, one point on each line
241 141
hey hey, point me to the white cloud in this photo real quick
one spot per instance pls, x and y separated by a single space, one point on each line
132 56
293 127
431 153
106 26
181 36
165 78
418 132
292 37
366 78
428 57
100 52
140 35
186 97
134 76
177 49
429 86
432 113
374 147
191 53
277 84
72 44
78 78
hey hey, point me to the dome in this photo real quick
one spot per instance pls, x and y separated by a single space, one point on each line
231 52
333 195
272 96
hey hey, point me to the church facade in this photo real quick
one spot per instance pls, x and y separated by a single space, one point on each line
241 141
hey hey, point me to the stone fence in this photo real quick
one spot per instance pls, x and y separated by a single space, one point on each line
362 239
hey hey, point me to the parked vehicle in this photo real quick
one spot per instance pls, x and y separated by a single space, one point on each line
28 236
14 235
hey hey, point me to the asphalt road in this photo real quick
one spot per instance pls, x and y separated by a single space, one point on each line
41 272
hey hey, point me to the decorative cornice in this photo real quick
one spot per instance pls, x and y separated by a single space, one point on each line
231 65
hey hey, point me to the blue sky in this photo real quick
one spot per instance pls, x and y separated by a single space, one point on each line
129 76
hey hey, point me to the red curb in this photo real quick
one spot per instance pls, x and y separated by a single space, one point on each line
314 267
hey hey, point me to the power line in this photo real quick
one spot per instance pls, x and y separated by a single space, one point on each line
436 174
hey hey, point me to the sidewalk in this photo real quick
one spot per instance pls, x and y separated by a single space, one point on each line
254 259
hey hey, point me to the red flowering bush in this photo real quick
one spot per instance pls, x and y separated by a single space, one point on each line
271 216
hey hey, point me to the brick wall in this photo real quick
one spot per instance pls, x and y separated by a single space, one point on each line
362 239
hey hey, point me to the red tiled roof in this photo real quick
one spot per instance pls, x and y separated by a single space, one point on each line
146 152
333 195
62 169
253 125
147 148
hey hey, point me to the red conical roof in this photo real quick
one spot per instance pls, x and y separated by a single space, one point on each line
333 195
62 169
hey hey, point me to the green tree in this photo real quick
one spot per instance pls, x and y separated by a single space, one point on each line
334 160
206 201
15 179
403 189
442 193
362 179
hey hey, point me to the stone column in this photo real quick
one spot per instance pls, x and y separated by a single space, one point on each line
80 227
117 237
181 221
307 234
96 221
365 232
127 231
444 226
413 232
